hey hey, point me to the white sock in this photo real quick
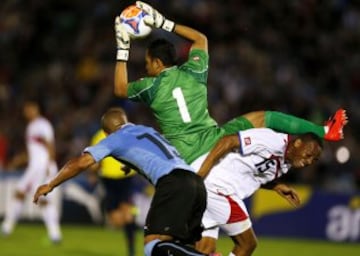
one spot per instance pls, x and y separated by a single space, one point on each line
50 216
12 215
231 254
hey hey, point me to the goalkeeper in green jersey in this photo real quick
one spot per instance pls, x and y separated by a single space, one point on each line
177 95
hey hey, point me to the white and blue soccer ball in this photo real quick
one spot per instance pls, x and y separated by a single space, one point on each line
132 18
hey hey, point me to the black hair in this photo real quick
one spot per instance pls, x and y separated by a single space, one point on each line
163 50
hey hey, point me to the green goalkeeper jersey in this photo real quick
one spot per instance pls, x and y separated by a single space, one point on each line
178 100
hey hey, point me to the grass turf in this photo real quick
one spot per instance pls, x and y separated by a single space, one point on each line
31 240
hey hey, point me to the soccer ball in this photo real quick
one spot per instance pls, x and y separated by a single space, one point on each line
132 18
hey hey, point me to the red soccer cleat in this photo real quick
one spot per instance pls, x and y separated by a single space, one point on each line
335 125
215 254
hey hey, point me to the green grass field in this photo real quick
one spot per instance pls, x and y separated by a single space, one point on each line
30 240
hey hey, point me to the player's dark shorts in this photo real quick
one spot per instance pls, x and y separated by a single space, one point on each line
177 207
117 191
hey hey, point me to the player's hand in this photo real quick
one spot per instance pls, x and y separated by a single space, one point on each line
122 41
155 18
42 190
288 193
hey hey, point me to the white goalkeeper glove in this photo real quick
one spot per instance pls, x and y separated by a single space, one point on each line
122 41
155 19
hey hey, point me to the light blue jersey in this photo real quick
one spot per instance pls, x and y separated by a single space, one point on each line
143 149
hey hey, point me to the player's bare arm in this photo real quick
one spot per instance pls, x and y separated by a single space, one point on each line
121 79
95 168
288 193
222 147
284 191
198 39
72 168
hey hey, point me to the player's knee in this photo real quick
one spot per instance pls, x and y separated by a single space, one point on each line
116 218
43 203
127 211
246 248
206 245
245 243
251 246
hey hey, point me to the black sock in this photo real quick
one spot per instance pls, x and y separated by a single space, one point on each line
130 232
166 248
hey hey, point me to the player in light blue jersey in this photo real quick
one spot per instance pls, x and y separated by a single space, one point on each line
141 148
180 196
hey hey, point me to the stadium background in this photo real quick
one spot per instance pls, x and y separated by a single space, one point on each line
299 57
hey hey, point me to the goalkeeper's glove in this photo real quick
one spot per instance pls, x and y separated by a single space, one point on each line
122 41
155 19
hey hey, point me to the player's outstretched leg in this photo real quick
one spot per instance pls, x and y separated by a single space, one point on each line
331 131
11 216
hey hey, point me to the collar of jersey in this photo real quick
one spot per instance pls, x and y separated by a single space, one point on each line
126 125
167 69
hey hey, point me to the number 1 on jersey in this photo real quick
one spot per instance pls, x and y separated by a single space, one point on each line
180 100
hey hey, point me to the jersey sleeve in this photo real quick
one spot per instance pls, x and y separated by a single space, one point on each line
40 131
100 150
262 141
197 64
46 132
139 90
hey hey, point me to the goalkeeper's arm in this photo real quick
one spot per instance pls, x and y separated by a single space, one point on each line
123 47
199 39
157 20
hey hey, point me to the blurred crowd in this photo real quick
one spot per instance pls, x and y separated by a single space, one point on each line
301 57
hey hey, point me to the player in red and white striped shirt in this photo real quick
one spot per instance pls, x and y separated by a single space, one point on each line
239 165
41 165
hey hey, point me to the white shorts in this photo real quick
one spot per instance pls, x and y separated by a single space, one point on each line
227 212
225 208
